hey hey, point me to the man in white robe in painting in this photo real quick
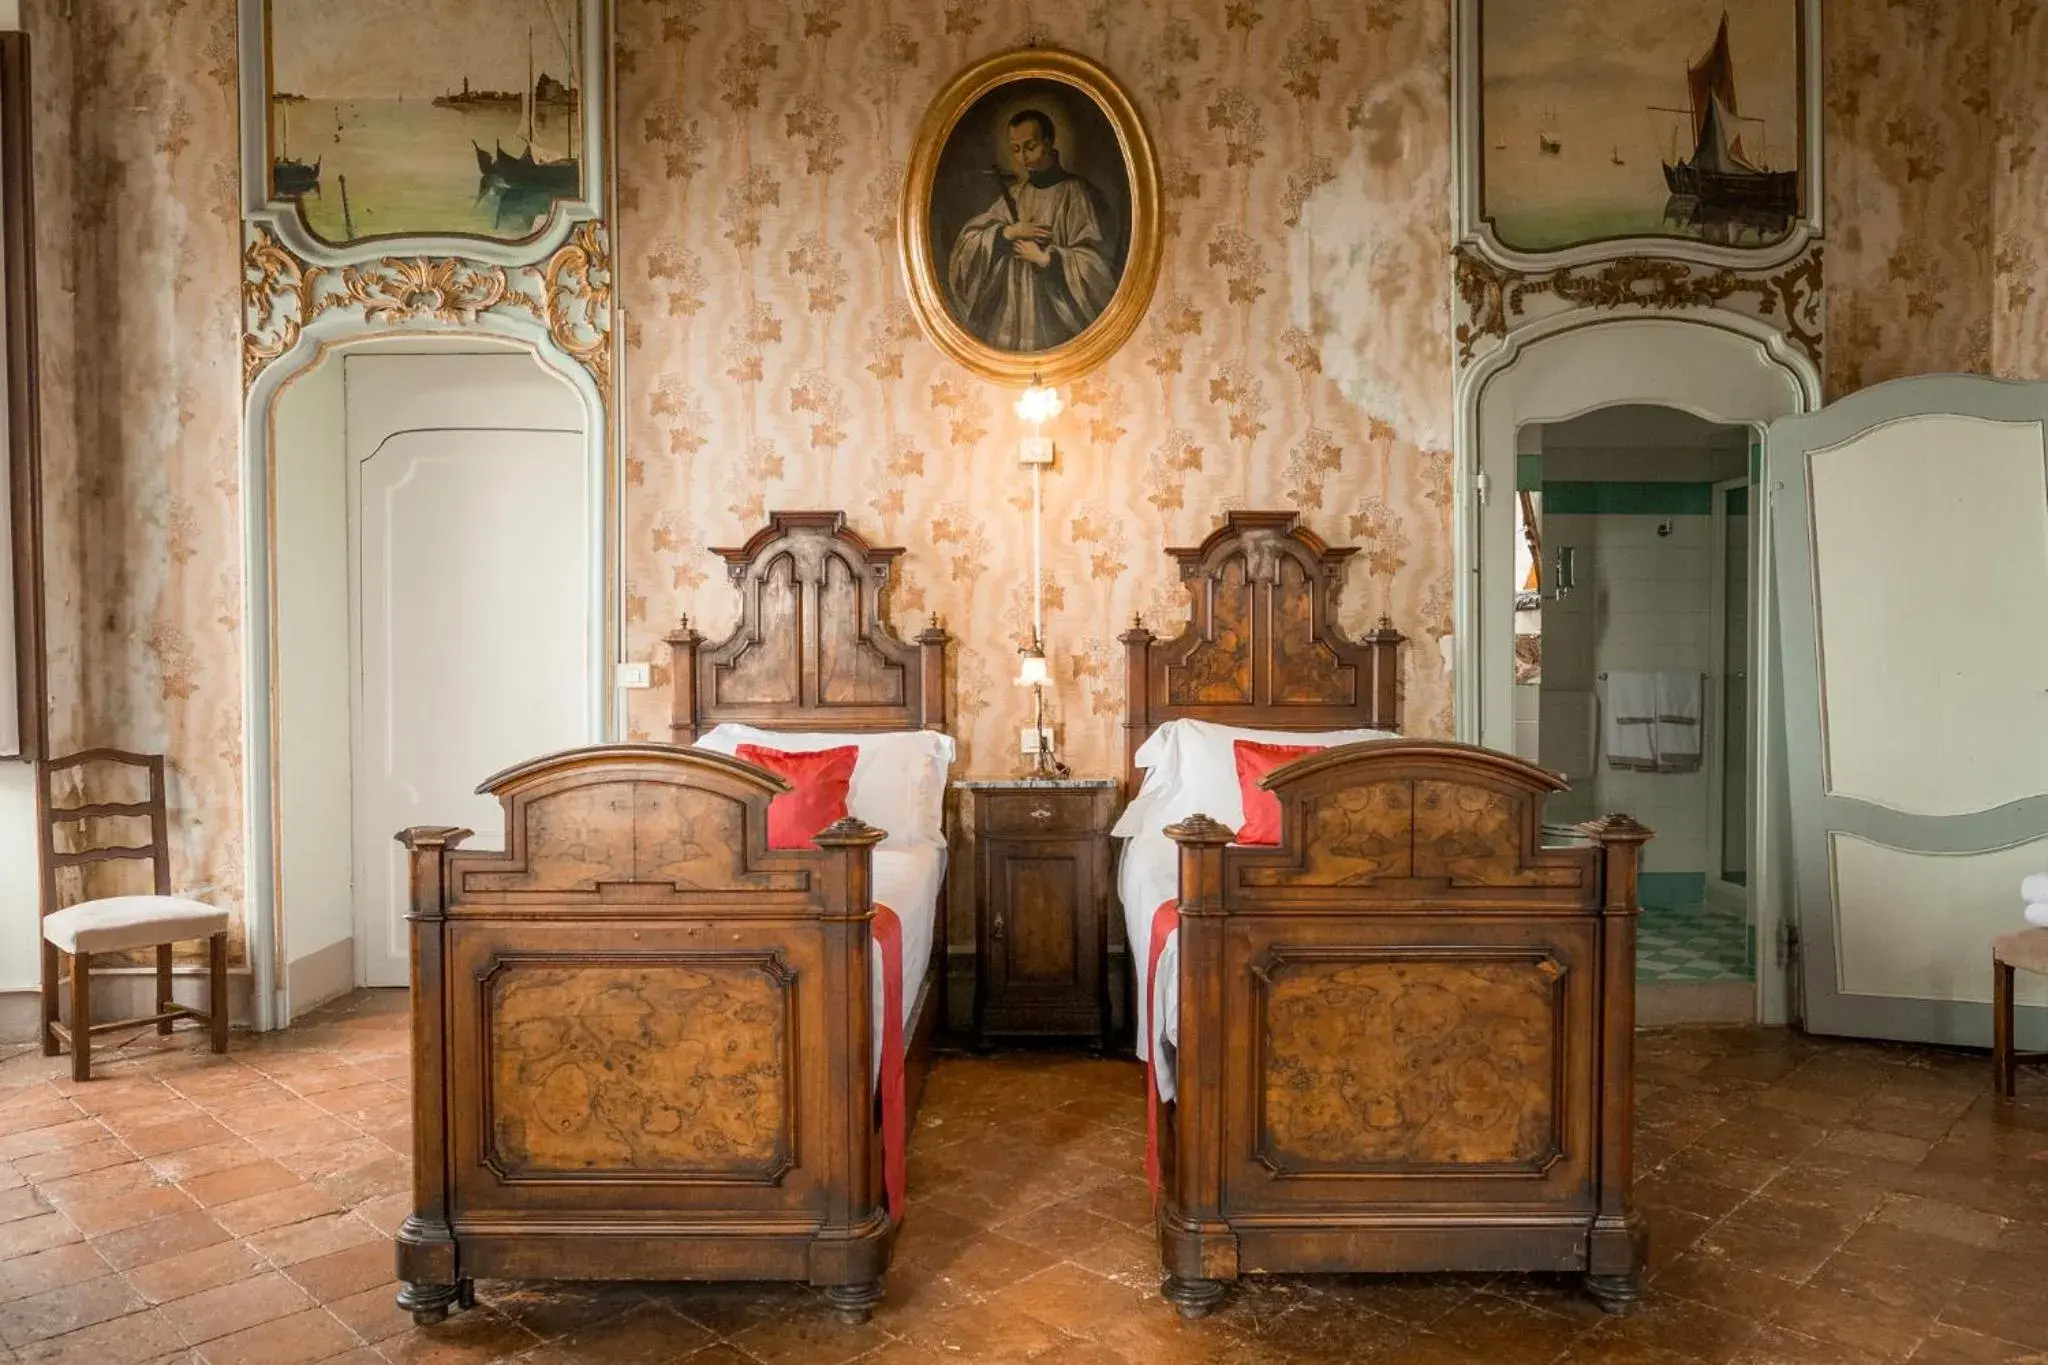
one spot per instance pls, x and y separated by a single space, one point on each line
1038 266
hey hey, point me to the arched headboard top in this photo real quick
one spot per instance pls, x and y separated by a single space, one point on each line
1261 646
812 649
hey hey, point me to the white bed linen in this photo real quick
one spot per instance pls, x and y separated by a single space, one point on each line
907 880
1190 766
1148 872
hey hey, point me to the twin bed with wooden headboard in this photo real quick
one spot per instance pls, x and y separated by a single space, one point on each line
650 1046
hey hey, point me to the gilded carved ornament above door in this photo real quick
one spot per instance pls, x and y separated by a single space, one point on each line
569 295
1493 299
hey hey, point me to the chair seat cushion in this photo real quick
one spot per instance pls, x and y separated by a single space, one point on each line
2026 950
118 922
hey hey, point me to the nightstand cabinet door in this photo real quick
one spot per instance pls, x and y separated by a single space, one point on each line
1043 928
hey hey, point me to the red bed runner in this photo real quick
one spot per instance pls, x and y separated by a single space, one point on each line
1165 920
887 931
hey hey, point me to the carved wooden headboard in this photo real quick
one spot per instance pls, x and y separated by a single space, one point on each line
811 650
1261 647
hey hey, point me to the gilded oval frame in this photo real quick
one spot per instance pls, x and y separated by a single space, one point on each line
923 268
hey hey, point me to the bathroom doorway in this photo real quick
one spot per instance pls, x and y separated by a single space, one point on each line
1632 649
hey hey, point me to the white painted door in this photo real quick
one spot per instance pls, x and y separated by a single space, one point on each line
471 542
1911 538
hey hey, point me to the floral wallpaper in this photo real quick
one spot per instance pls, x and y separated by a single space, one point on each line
139 217
2019 181
1295 354
1908 124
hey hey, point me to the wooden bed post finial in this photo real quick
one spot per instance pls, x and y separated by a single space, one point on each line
1385 643
931 645
682 683
1137 643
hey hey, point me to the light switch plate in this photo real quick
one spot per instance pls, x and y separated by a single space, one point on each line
636 675
1034 450
1027 739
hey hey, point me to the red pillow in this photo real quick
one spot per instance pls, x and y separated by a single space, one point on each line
1262 808
820 777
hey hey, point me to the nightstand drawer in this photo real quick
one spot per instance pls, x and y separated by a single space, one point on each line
1062 814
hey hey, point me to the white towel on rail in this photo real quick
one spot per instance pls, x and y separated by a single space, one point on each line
2034 889
2038 915
1678 722
1630 725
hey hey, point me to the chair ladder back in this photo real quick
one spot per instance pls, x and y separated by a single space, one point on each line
155 807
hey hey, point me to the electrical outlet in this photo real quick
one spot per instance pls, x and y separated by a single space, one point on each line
1034 450
636 675
1027 739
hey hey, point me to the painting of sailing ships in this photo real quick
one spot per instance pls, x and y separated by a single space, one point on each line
403 118
1604 119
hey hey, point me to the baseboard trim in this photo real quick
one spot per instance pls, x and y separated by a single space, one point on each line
321 975
124 993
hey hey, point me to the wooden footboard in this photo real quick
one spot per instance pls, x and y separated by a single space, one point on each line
1405 1032
641 1038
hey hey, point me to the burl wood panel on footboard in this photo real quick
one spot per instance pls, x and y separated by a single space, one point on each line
640 1038
1405 1032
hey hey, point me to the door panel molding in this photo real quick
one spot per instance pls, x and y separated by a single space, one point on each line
1947 1012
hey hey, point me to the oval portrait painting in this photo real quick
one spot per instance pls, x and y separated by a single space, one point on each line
1031 237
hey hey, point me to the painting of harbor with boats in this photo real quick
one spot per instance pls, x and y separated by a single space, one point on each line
1604 119
399 118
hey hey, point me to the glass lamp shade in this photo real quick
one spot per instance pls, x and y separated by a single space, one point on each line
1032 670
1039 404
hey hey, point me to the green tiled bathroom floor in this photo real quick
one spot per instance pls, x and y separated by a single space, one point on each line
1691 944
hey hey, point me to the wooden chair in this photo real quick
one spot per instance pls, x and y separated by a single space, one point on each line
2026 950
114 924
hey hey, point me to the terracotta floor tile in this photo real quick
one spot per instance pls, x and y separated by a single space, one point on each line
195 1162
111 1214
159 1239
465 1339
79 1132
75 1158
338 1274
52 1269
1855 1321
299 1339
1777 1346
176 1135
2000 1314
1721 1283
274 1209
643 1334
1946 1345
196 1271
1935 1218
230 1308
238 1182
372 1314
1923 1289
55 1312
27 1118
105 1182
144 1336
30 1235
812 1338
320 1236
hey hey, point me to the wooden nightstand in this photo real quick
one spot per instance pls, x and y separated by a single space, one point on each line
1041 906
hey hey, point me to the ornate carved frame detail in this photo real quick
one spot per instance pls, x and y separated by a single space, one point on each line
567 295
813 649
1261 646
1495 298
